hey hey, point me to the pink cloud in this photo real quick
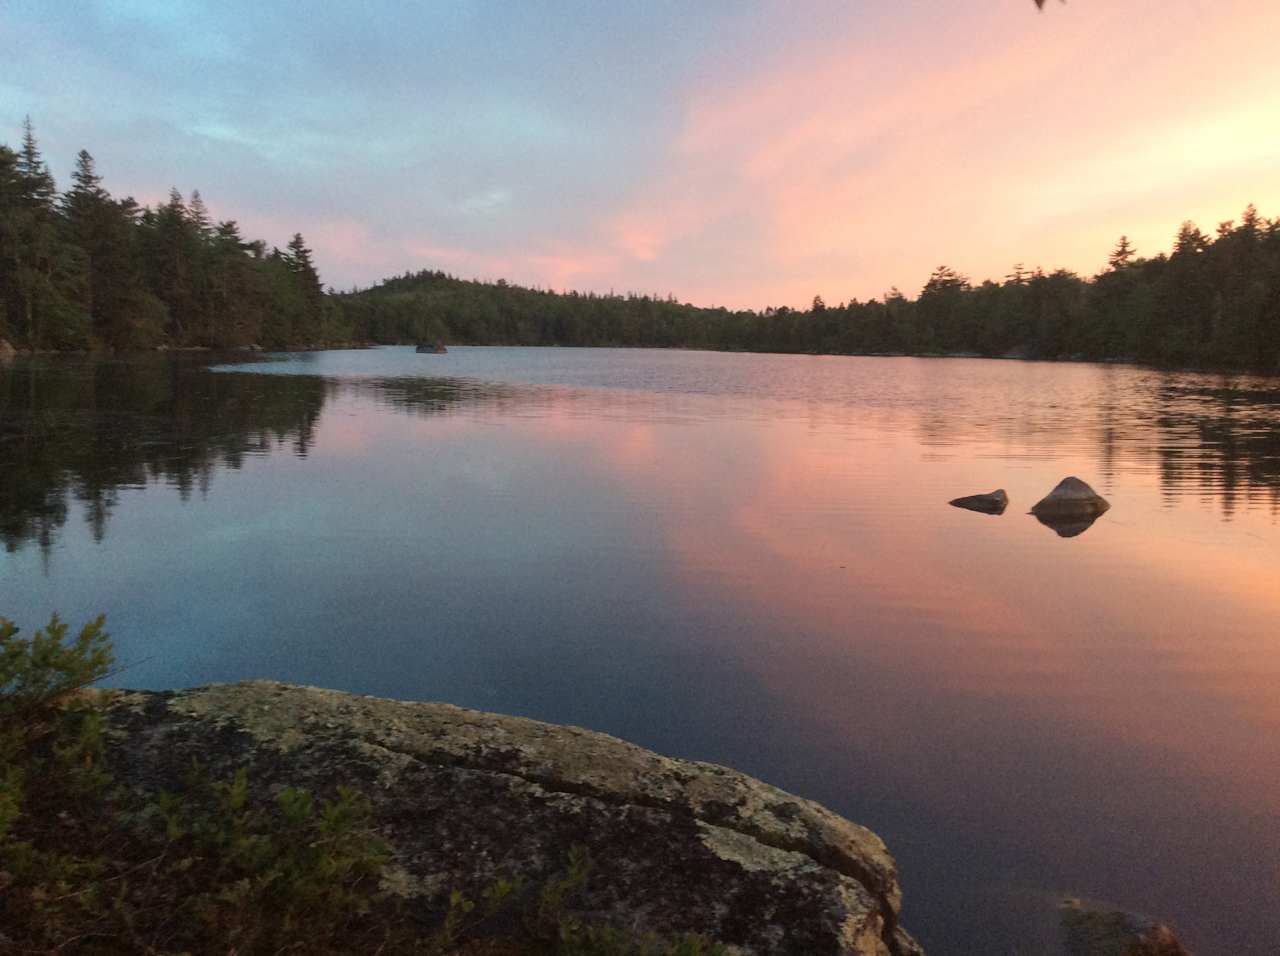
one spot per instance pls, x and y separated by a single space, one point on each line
975 137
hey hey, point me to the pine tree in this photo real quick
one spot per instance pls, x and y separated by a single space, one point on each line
198 214
171 262
37 181
300 261
1122 254
1190 240
48 281
10 195
105 232
1250 223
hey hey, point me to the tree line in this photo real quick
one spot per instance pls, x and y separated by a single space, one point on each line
81 269
1214 301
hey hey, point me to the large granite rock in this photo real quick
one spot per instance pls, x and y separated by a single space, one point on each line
465 797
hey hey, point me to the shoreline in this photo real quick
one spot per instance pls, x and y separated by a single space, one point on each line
19 353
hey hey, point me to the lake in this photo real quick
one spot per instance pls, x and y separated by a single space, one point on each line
747 559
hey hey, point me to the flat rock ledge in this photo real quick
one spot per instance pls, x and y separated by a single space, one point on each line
465 797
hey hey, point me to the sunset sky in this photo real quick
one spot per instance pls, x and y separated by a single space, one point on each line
724 152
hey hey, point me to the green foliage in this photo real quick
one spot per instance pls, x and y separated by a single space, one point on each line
50 755
262 875
547 917
551 919
37 674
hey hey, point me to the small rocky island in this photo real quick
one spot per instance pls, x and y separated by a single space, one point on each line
1071 508
464 798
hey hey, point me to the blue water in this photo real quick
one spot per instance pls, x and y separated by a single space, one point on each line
747 559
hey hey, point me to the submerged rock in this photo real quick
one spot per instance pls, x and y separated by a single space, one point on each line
465 798
1088 932
992 503
6 349
1071 498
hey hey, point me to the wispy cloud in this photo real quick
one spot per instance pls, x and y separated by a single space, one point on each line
729 154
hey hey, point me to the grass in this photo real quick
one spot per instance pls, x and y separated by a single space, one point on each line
89 866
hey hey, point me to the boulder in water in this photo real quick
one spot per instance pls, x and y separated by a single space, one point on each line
992 503
1072 498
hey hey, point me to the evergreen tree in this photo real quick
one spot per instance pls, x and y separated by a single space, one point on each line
124 314
1122 254
38 184
46 285
311 316
10 195
1190 240
173 246
199 216
300 261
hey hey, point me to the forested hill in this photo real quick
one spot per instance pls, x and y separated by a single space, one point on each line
82 269
1213 301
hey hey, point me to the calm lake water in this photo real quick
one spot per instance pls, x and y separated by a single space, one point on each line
747 559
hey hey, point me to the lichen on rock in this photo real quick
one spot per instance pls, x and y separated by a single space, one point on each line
464 798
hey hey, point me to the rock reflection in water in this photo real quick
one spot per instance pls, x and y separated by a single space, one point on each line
1068 526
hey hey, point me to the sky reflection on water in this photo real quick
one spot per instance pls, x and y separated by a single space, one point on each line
746 559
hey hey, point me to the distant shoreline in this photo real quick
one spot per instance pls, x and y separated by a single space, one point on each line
361 346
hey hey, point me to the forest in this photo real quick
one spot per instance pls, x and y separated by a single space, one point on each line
1213 302
83 270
